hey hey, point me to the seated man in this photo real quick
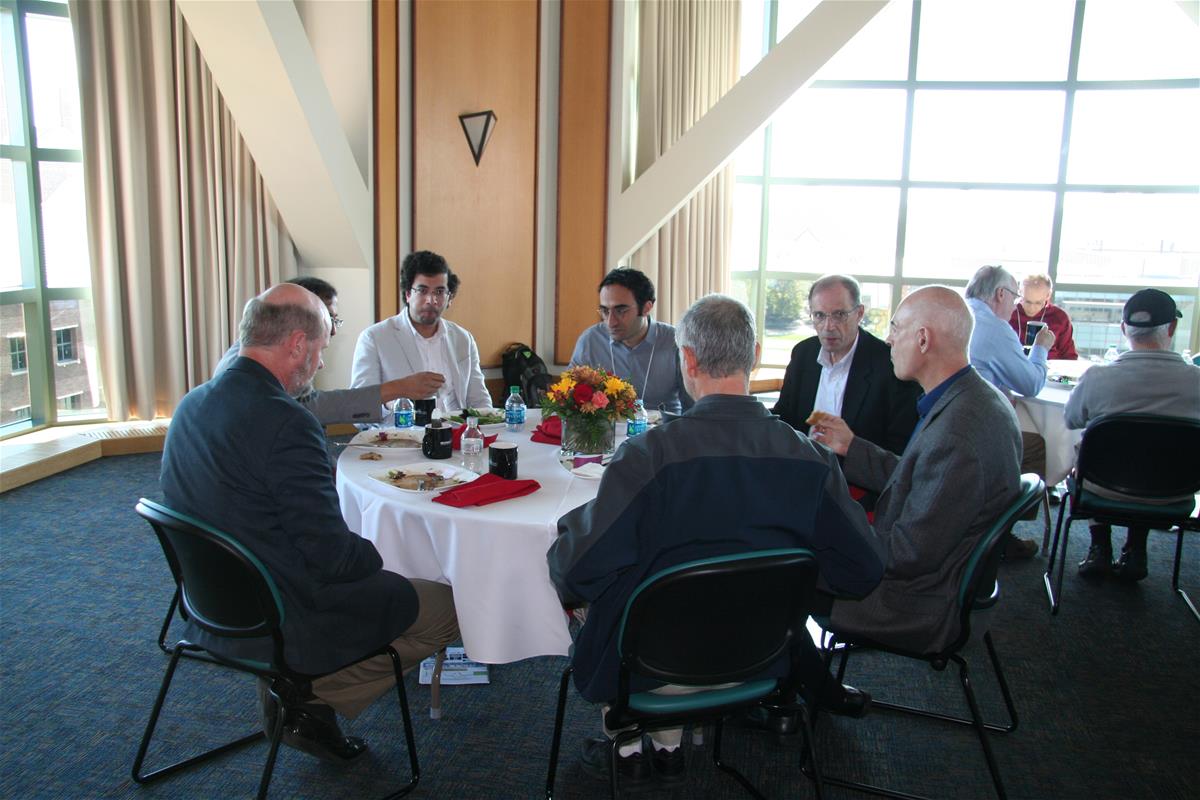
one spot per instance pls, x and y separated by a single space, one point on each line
957 475
364 404
244 456
726 477
845 371
997 354
418 340
1148 379
630 345
1035 306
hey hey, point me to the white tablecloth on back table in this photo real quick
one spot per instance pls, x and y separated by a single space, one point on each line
1043 415
494 556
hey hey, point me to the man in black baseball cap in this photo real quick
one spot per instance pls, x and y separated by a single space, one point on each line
1150 308
1148 379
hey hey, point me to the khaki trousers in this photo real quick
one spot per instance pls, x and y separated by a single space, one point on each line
354 688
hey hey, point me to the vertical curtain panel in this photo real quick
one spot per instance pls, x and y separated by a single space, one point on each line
181 228
688 59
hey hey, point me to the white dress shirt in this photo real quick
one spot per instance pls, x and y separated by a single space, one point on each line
435 357
832 388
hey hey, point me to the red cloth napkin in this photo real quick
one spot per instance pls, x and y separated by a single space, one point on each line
458 432
858 493
549 431
486 489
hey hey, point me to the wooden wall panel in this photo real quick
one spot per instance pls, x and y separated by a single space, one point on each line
387 202
582 168
473 56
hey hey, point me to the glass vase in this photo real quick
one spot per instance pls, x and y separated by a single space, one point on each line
587 439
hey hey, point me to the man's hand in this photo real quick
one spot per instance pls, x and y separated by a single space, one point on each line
834 433
417 386
1045 337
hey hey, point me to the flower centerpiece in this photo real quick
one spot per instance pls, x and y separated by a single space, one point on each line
589 402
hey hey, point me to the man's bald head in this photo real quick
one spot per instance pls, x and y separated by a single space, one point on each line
271 317
929 335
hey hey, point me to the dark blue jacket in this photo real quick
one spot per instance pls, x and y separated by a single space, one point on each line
726 477
249 460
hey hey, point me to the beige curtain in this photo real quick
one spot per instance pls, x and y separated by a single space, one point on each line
688 59
181 228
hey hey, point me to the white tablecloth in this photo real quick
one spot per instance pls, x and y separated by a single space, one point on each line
1043 415
494 556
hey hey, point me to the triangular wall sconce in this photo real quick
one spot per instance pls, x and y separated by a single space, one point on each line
478 127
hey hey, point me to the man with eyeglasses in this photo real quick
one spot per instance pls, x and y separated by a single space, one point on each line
417 342
1035 306
845 371
996 353
629 344
362 405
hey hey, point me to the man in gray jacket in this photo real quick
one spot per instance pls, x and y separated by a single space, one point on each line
959 472
1149 379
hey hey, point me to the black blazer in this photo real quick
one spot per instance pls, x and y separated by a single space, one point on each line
249 460
877 405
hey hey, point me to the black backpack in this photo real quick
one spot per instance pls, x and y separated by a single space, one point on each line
523 367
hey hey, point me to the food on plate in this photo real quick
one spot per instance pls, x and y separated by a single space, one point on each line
390 439
486 416
421 481
371 456
818 417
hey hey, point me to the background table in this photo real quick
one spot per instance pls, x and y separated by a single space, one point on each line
494 556
1043 415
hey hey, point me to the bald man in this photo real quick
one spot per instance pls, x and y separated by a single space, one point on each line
959 472
244 456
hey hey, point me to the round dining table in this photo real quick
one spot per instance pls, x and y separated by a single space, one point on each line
493 556
1044 414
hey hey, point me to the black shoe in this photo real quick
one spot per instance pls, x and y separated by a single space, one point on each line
633 771
313 728
668 765
1098 563
779 720
268 711
1132 566
851 702
1019 549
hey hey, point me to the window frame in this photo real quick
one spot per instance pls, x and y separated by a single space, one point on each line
1071 86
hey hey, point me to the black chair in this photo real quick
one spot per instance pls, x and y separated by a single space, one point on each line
1141 455
978 591
224 590
704 623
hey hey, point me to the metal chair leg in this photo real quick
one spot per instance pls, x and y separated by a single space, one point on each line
166 624
1046 508
1175 576
435 686
402 696
718 730
563 686
980 728
1058 555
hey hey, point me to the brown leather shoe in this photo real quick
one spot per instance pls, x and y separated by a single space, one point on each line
1019 549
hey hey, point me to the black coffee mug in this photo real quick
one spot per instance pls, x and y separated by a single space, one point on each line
502 460
438 441
423 411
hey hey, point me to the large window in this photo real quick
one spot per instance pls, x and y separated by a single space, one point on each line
45 270
1051 136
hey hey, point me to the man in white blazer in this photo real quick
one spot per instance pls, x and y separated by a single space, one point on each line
419 340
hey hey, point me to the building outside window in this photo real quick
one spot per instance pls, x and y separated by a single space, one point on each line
1053 137
16 354
72 402
45 268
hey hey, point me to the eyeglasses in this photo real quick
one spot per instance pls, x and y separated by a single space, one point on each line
839 316
439 294
1013 292
336 321
616 311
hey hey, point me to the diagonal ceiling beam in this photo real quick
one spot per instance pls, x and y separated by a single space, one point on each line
635 214
264 66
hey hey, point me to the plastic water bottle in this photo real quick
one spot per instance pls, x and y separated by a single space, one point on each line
1110 355
403 411
514 409
472 446
640 422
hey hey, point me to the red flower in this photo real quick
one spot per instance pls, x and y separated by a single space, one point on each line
583 393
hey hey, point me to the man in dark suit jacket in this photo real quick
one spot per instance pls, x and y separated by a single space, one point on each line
244 456
958 474
847 372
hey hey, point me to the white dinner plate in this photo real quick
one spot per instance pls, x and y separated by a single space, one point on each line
395 438
458 475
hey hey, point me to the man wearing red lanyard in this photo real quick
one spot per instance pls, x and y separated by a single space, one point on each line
1035 306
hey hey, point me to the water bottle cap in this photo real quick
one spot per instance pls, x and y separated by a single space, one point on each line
514 390
472 422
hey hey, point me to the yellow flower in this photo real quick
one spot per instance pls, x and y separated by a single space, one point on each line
613 386
564 385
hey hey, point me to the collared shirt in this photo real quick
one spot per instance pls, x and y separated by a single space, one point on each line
926 402
831 389
651 366
997 354
435 357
